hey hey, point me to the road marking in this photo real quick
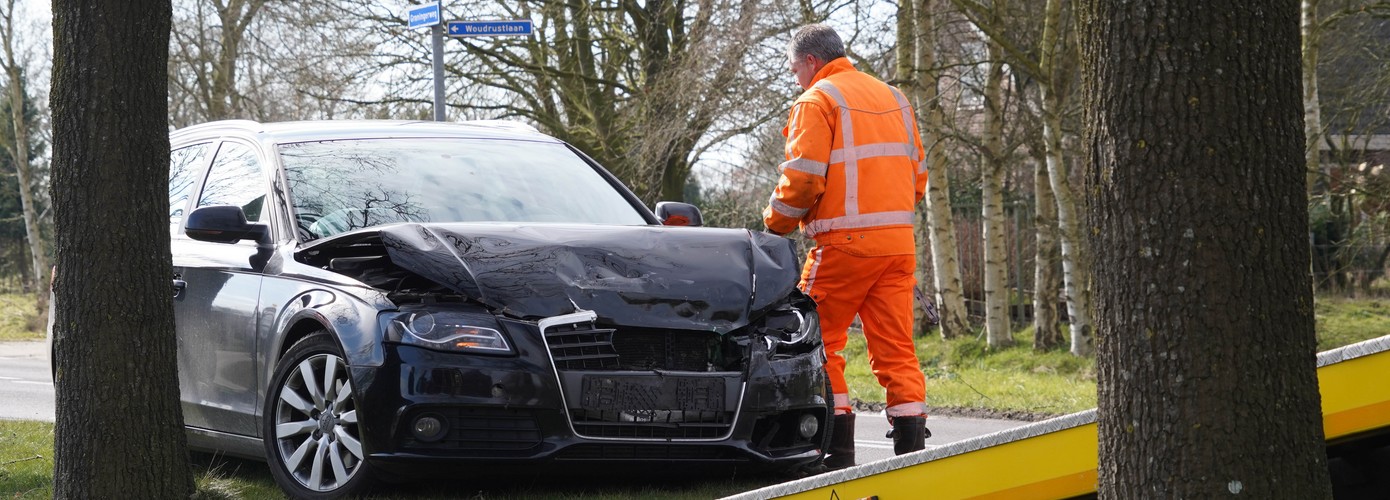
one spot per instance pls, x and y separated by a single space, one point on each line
32 382
8 378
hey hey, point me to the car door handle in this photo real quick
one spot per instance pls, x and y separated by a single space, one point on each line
179 285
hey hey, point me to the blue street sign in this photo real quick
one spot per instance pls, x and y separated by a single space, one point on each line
424 16
489 28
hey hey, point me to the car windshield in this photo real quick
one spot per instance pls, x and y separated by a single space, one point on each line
343 185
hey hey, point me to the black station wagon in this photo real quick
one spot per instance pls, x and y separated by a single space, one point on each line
360 299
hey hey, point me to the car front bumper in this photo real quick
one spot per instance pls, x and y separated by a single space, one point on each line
515 410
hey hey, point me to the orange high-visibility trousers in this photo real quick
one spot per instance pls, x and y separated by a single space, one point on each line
878 290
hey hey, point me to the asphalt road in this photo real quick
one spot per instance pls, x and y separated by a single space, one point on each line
26 388
26 384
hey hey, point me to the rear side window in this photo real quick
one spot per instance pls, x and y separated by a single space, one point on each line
185 168
235 178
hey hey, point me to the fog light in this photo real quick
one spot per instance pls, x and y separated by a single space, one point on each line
808 427
428 428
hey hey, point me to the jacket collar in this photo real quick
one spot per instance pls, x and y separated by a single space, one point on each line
839 65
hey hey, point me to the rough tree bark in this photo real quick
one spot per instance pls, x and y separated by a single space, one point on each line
1205 345
119 429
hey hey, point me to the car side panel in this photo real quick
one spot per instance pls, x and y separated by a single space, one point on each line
215 321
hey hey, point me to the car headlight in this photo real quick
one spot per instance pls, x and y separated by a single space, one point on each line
451 331
792 326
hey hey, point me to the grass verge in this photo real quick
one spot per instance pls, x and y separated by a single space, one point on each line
26 472
965 377
26 459
20 318
1342 321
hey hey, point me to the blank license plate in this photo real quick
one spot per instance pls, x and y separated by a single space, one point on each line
652 393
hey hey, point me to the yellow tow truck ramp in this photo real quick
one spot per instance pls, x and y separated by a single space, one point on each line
1056 458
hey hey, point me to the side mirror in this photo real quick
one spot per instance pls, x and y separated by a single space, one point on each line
673 213
224 224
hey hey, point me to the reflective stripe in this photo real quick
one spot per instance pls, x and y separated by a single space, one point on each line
851 159
907 121
842 405
787 210
876 150
907 410
812 167
815 266
859 221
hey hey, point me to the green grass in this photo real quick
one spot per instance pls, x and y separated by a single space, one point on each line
26 472
964 374
1343 321
26 459
20 318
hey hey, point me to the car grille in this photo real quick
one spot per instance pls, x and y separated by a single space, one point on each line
582 349
617 405
484 429
630 349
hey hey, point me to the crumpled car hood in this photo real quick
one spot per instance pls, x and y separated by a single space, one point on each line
645 276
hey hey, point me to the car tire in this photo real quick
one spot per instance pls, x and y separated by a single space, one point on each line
312 437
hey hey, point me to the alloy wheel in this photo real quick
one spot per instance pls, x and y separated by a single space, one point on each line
316 432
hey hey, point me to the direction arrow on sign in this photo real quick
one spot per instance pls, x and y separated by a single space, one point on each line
423 16
489 28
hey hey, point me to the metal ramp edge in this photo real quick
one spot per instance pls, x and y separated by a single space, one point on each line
1057 458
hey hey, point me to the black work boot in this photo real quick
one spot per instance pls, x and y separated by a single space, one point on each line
840 454
909 434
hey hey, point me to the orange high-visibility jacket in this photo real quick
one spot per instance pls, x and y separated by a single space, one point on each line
854 171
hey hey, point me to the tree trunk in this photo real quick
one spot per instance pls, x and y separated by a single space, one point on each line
1312 110
25 177
1046 282
19 152
1075 270
1205 347
119 429
940 224
996 260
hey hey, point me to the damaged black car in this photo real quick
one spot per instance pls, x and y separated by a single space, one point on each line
362 300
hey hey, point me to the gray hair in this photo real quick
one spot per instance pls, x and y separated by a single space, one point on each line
818 40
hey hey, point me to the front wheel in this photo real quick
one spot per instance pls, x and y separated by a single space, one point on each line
312 439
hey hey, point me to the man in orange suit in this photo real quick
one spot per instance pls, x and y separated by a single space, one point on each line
851 181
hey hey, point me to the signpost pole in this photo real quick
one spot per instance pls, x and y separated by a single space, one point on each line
437 34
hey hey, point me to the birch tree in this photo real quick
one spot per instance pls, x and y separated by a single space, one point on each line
1205 346
1341 38
18 149
1075 267
996 268
937 221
